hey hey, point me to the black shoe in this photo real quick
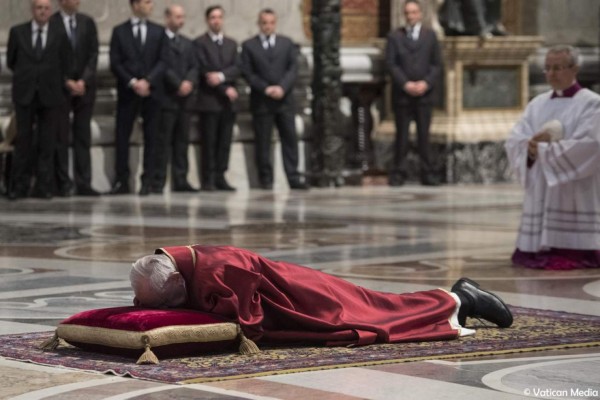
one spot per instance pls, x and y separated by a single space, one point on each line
156 190
86 191
145 190
299 186
266 186
42 194
120 188
479 303
222 184
208 187
186 187
65 190
430 180
16 194
395 180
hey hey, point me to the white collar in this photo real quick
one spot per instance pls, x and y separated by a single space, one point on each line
170 33
215 36
35 27
137 20
263 37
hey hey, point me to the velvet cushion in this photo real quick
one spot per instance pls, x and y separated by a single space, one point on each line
148 333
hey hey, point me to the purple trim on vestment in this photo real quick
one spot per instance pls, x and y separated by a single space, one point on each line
557 259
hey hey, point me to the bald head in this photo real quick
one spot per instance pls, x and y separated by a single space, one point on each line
174 17
41 10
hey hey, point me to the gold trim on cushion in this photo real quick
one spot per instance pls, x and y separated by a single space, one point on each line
156 337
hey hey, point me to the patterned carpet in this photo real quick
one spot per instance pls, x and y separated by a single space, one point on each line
533 330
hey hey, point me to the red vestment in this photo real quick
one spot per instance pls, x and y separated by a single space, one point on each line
275 301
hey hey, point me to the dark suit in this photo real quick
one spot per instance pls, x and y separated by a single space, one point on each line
37 93
412 60
173 138
217 112
262 68
84 64
129 61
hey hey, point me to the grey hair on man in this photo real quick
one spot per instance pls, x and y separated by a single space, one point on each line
156 282
572 52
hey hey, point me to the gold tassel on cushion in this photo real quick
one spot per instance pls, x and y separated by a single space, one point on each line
50 344
247 346
148 357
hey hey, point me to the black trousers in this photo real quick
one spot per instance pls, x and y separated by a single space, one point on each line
34 148
172 146
263 128
129 106
404 114
217 131
79 128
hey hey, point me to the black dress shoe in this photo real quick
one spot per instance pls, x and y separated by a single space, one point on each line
120 188
65 191
42 194
86 191
15 195
430 180
396 180
156 190
186 187
266 186
222 184
145 190
479 303
299 186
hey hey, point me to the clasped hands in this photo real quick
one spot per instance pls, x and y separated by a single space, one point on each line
275 92
416 88
214 79
75 88
532 147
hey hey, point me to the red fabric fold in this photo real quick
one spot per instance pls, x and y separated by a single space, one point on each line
276 301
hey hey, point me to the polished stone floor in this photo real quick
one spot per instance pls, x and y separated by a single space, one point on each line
63 256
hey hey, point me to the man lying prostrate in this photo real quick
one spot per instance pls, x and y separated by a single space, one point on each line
275 301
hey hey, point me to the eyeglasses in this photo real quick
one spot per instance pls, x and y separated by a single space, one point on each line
556 68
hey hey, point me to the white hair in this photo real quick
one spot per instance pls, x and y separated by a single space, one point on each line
572 52
154 271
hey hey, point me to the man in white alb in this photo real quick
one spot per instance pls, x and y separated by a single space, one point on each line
555 152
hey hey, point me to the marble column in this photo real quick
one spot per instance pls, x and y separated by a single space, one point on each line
327 157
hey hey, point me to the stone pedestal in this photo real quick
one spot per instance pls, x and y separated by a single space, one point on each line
485 89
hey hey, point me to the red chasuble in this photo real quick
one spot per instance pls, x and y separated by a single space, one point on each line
275 301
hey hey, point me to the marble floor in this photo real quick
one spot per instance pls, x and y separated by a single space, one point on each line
63 256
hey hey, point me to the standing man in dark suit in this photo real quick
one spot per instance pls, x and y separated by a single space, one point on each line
138 53
81 95
180 79
269 64
414 61
39 56
217 55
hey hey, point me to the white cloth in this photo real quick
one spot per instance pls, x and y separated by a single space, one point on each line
562 188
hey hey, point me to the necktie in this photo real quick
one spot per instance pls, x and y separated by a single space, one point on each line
268 43
72 31
39 46
410 33
138 34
